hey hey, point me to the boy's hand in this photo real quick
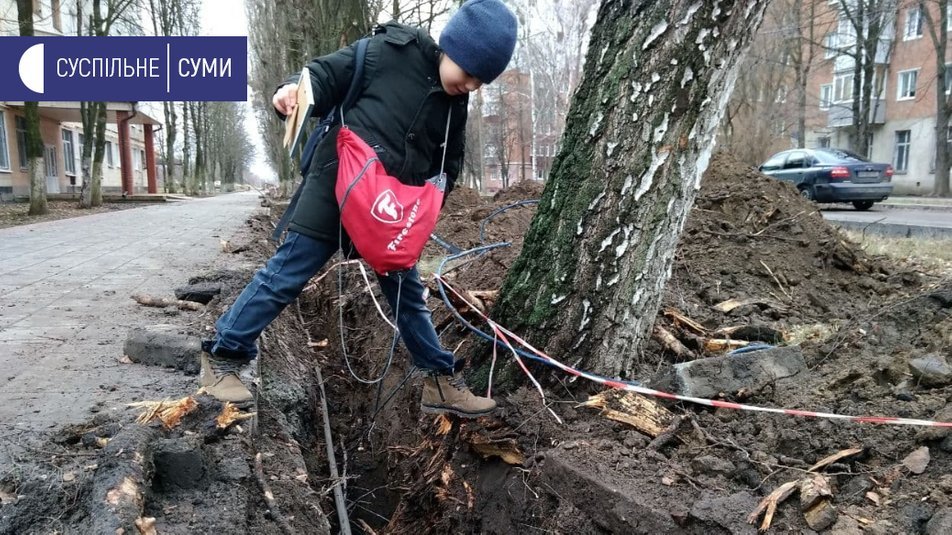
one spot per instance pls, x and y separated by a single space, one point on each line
285 99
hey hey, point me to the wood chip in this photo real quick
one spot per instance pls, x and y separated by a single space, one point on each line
642 413
840 455
768 505
170 413
146 525
163 302
670 342
731 304
873 497
231 414
682 320
717 345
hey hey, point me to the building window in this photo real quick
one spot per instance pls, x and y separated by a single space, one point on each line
823 142
913 23
948 76
907 84
4 153
826 96
901 159
50 161
69 155
869 145
108 149
21 141
829 45
843 88
142 158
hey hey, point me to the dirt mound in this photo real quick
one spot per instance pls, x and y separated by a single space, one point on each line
756 240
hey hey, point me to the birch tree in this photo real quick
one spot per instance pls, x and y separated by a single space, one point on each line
639 136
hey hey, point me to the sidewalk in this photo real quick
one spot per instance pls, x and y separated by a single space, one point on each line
917 203
65 307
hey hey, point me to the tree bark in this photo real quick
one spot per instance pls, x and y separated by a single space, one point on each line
639 137
939 33
34 140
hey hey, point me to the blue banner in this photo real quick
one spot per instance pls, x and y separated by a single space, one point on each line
124 68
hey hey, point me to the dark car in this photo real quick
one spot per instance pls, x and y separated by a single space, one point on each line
832 175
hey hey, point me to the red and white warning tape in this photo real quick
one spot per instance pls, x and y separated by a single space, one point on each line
502 333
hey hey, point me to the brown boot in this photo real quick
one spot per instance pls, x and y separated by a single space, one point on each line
220 378
445 393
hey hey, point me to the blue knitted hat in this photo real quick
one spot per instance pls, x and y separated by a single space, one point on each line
480 38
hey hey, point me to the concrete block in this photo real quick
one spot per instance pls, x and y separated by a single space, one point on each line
164 345
706 378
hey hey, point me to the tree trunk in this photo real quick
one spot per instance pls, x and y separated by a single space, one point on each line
639 136
34 140
939 33
95 194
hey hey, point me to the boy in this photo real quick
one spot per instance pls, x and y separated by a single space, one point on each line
409 88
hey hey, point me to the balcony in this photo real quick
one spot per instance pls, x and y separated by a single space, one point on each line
841 114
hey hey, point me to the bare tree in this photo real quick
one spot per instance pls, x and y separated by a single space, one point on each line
868 43
105 16
34 141
639 136
169 18
938 25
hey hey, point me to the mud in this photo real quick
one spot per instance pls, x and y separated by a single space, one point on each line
857 321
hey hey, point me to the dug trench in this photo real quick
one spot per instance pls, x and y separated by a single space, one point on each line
849 334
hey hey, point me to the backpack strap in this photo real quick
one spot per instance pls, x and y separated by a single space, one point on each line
353 92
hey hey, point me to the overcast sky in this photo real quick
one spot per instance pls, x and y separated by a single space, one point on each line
228 17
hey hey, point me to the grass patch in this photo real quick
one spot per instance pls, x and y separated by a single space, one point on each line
929 255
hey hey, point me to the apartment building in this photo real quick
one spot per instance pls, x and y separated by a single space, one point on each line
903 111
129 159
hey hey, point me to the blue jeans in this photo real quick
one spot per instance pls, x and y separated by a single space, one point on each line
283 278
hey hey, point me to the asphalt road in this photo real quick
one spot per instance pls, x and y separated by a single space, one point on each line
65 306
894 221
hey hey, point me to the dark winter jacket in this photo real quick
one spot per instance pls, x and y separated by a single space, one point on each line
401 113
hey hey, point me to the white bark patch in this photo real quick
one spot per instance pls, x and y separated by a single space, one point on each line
586 308
579 229
661 130
629 182
623 247
650 100
688 76
613 281
559 299
647 179
674 61
655 78
596 200
598 282
610 148
690 14
608 241
656 32
596 124
702 36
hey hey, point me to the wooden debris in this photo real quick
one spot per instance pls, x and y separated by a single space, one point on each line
163 302
146 525
752 333
838 456
506 449
768 505
731 304
682 320
443 425
231 414
718 345
671 343
640 412
169 412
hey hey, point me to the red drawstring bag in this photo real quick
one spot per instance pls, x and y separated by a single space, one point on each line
388 222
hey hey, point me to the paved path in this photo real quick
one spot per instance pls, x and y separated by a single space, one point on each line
919 223
65 308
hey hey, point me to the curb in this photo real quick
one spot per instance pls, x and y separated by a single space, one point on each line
927 207
895 230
